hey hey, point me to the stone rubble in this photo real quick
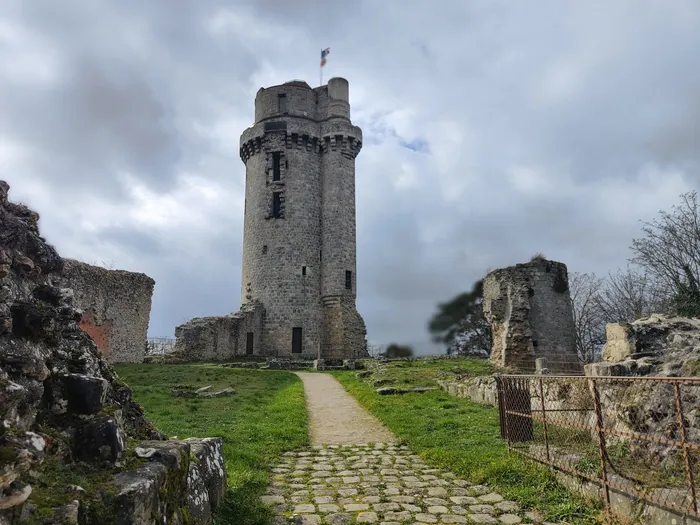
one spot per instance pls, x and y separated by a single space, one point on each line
381 484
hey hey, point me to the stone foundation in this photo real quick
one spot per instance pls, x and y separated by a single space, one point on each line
116 307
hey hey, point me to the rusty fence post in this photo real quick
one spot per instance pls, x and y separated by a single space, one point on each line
544 420
684 441
601 441
502 407
517 394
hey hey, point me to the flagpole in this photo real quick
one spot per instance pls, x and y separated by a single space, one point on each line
320 71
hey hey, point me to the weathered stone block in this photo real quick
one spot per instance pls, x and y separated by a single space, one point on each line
620 342
78 393
101 439
138 494
206 478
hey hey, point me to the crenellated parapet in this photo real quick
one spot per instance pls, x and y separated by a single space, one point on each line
349 145
303 142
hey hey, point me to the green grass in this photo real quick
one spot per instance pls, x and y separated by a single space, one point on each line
464 437
424 373
266 417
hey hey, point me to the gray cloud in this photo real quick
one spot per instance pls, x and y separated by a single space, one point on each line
493 130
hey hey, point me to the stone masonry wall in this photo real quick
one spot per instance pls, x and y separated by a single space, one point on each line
294 261
64 410
116 307
529 309
220 338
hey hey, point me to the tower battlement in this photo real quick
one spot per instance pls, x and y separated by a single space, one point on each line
299 241
298 99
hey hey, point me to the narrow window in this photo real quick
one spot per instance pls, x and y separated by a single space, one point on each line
286 164
303 270
296 340
348 280
282 100
276 165
264 249
320 255
277 204
250 337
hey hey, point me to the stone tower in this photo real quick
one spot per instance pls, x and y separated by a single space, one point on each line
299 240
529 309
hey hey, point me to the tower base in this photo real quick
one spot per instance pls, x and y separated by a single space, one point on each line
344 330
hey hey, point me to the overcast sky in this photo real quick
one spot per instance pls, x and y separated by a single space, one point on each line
492 130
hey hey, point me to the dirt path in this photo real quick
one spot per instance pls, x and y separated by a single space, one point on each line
335 418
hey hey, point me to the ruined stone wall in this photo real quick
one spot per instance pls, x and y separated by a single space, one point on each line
220 338
344 330
294 261
529 309
116 307
62 403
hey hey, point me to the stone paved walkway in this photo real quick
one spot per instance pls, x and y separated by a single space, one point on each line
355 479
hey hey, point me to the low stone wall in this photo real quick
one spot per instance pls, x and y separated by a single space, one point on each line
178 479
219 338
116 307
481 389
628 508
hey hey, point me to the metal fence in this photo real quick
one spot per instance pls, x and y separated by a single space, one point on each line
159 345
636 435
552 364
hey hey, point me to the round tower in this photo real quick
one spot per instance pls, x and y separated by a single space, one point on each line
299 226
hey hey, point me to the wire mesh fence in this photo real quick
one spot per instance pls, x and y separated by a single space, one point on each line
639 436
159 345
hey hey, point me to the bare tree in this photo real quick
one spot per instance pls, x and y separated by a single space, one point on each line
630 294
669 251
626 295
375 350
585 289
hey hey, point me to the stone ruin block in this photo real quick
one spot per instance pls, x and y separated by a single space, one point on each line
220 338
116 308
657 345
529 309
62 402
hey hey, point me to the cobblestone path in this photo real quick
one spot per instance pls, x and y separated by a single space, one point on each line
347 477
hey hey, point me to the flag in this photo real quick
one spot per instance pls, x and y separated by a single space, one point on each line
324 54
